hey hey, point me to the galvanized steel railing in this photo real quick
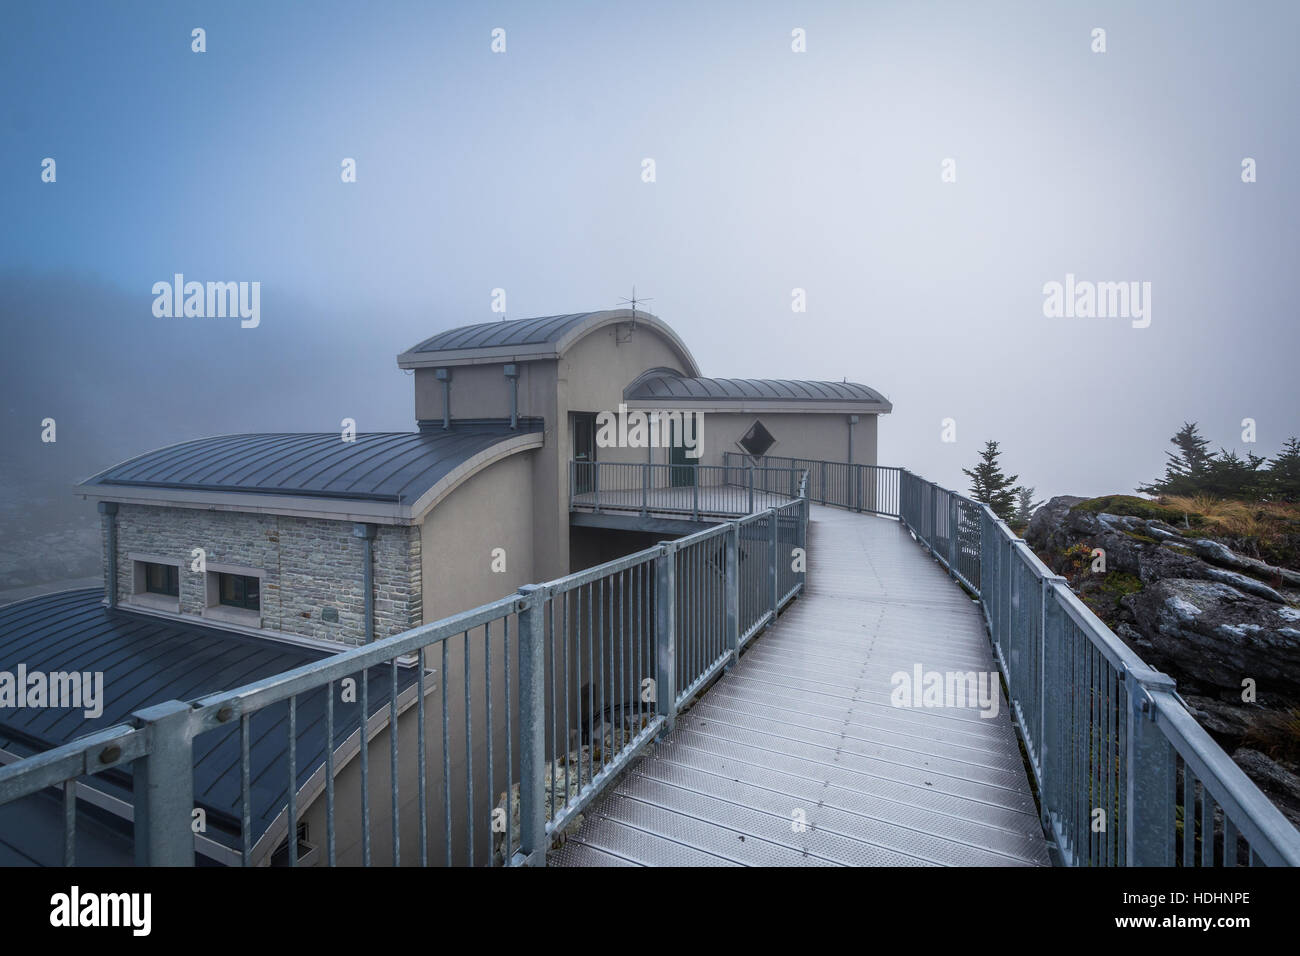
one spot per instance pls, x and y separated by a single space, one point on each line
872 489
550 693
1107 737
700 491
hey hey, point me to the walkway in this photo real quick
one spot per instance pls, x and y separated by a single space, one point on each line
797 757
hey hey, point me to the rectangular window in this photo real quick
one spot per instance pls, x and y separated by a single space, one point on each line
162 579
239 590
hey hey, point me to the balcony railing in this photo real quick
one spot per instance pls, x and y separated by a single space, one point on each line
699 491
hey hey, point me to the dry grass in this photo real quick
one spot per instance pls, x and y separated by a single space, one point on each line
1277 735
1238 519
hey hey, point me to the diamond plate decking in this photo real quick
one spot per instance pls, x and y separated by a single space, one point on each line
803 729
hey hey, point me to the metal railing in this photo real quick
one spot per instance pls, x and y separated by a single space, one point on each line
872 489
1107 737
549 693
701 491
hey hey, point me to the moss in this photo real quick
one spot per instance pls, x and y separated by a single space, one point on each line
1119 584
1145 539
1136 507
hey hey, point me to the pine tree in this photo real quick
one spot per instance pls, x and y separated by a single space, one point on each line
990 485
1025 504
1283 476
1186 471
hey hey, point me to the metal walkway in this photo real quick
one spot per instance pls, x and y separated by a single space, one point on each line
796 757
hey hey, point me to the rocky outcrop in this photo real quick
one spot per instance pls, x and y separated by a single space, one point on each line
1224 625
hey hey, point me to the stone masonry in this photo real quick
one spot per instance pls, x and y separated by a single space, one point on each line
309 565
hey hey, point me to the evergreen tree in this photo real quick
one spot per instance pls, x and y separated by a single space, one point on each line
1186 471
1025 504
1283 477
1229 476
990 485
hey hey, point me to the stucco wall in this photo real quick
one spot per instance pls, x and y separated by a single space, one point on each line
306 564
494 509
822 436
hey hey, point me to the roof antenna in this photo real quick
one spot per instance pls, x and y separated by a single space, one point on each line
632 302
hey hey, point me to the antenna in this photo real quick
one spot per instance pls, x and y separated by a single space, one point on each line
632 302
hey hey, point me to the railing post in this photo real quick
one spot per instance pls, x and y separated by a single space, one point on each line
532 729
645 488
750 469
823 482
1053 632
803 541
1149 797
952 534
595 484
775 578
733 593
695 493
162 787
666 636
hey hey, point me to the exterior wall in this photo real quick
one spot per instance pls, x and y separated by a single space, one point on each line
589 378
822 436
306 564
494 509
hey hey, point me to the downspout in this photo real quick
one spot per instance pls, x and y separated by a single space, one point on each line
512 373
109 510
444 376
366 532
853 420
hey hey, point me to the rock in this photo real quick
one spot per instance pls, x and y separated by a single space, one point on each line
1041 533
1210 636
574 769
1281 785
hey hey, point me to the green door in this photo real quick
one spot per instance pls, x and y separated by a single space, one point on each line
683 468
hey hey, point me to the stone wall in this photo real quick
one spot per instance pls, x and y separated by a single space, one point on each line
309 565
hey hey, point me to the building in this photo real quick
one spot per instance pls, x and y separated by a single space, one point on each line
303 543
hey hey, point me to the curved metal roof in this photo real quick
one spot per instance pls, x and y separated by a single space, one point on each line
382 466
148 660
544 337
545 329
678 388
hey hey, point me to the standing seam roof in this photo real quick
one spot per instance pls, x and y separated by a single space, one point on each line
384 466
756 389
534 331
147 660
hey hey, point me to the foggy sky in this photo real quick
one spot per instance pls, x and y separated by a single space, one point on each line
775 170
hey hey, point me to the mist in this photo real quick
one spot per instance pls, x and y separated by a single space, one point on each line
820 171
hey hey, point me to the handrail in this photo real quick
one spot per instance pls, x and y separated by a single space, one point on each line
1107 738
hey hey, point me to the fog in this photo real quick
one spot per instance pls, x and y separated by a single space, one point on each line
774 171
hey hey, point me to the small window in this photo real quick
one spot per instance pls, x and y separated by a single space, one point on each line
239 590
757 440
162 579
